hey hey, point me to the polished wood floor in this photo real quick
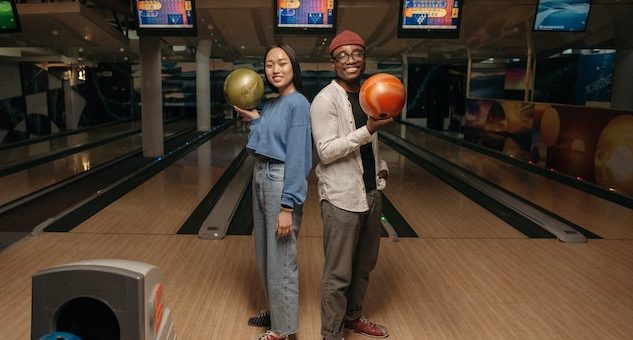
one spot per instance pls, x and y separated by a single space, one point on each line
602 217
32 150
468 276
21 183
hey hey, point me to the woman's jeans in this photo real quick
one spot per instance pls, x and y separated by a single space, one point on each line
276 257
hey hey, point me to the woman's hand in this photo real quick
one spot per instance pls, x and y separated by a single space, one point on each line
247 115
283 227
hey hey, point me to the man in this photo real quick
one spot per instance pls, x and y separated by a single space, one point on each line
350 173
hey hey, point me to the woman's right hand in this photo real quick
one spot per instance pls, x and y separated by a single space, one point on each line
247 115
283 226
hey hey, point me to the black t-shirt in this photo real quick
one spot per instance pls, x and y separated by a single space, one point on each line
366 153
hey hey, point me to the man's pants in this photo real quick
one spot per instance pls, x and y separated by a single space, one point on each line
351 241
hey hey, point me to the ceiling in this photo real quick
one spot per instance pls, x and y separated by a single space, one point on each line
102 31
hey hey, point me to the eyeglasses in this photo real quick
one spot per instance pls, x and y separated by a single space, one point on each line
343 56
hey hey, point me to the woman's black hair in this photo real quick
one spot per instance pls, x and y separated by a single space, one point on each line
296 69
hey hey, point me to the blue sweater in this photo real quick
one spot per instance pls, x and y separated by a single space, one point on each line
282 132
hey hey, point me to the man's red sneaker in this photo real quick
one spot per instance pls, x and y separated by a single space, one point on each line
366 327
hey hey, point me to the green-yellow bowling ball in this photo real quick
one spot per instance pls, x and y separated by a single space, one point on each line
244 88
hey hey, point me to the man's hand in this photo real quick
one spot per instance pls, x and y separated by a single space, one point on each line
374 124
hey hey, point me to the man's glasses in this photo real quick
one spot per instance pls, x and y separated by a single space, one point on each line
343 56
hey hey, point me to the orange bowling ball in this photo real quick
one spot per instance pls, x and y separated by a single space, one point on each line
382 96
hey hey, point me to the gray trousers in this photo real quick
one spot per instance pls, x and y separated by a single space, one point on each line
350 241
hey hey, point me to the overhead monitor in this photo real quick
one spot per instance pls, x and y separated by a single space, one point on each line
9 20
298 17
166 17
439 19
562 15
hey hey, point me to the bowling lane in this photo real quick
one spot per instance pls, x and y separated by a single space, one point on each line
22 183
163 203
602 217
311 225
421 288
29 151
433 208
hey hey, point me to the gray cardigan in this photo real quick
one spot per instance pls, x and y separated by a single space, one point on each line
338 141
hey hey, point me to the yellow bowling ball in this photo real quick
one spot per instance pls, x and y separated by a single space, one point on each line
244 88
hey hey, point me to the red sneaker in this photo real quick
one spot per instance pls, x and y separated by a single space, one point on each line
270 335
366 327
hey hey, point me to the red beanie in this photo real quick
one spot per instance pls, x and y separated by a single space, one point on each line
346 38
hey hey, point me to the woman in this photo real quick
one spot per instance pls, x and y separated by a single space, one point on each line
280 138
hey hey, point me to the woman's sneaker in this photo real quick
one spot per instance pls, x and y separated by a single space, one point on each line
260 320
270 335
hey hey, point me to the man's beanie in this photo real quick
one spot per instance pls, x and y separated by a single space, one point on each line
346 38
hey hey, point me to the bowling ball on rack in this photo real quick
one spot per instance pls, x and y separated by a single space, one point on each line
244 88
60 336
382 96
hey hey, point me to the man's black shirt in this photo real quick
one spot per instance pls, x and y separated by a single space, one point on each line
366 153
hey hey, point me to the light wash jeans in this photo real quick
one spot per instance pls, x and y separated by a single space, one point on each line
276 257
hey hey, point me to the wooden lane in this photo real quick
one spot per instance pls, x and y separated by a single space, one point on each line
311 225
163 203
433 208
28 151
504 289
607 219
22 183
421 289
443 285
